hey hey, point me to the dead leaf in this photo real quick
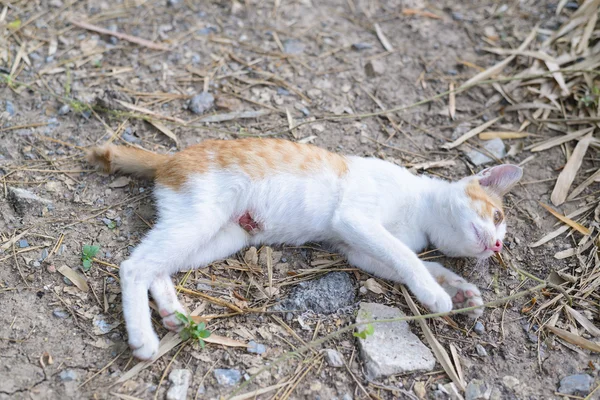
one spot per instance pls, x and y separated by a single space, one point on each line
583 321
502 135
452 101
575 225
567 175
77 279
46 359
120 182
574 339
384 41
161 127
225 341
251 256
470 134
374 286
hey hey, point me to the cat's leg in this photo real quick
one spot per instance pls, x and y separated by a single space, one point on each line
164 294
463 293
229 240
369 237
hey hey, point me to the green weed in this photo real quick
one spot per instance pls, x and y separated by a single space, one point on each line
87 255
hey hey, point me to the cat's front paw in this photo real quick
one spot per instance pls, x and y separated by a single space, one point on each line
144 346
434 298
464 294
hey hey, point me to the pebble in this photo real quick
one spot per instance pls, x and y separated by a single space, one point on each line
68 375
129 137
10 108
477 390
23 243
457 16
392 349
325 295
334 358
65 109
227 377
282 92
44 255
60 313
26 201
481 350
510 381
36 264
361 46
201 103
51 269
61 250
293 46
374 68
576 384
180 383
495 147
479 328
256 348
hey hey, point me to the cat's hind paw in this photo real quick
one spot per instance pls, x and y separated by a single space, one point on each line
144 347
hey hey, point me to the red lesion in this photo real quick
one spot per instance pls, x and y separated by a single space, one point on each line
248 223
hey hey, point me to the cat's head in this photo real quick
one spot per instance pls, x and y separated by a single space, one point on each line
475 214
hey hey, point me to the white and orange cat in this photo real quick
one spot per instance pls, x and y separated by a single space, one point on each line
219 196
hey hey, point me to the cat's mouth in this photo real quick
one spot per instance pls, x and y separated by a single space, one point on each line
486 251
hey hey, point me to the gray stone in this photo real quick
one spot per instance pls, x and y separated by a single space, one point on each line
479 328
477 390
334 358
293 46
10 108
481 350
23 200
65 109
60 313
68 375
256 348
392 349
23 243
510 381
361 46
227 377
347 396
374 68
325 295
201 103
44 254
576 384
460 130
495 147
180 383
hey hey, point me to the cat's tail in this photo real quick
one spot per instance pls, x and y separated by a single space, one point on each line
126 160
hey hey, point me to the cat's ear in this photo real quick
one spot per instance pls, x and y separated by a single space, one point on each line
500 179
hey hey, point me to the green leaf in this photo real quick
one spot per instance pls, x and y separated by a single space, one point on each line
204 334
202 344
369 330
182 317
185 335
16 24
112 225
87 264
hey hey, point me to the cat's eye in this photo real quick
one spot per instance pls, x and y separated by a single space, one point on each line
497 217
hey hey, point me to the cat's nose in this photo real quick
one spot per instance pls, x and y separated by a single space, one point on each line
497 247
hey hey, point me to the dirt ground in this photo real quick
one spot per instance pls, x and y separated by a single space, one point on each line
291 60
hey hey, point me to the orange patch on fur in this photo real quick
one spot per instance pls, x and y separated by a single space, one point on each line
255 157
486 203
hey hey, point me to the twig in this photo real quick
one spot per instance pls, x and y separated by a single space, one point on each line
133 39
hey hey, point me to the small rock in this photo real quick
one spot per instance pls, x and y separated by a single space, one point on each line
44 255
129 137
180 383
334 358
36 264
23 243
325 295
361 46
65 109
256 348
51 269
60 313
576 384
479 328
392 349
347 396
68 375
10 108
293 46
510 381
481 350
23 200
227 377
477 390
495 147
457 16
201 103
460 130
419 389
374 68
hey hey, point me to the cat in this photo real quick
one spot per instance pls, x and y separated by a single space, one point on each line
220 196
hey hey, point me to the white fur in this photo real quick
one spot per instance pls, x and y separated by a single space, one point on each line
378 214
